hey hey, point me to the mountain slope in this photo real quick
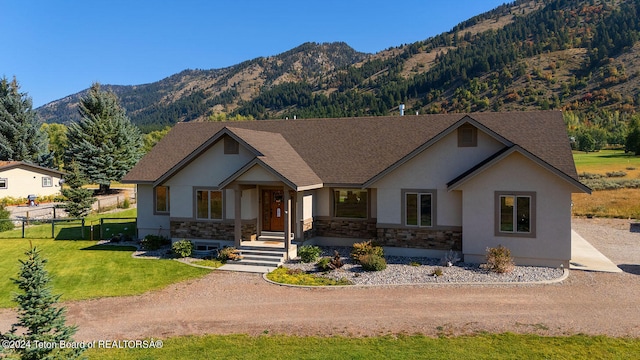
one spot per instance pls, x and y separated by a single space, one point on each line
578 55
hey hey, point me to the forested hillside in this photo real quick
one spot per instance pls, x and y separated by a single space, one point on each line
581 56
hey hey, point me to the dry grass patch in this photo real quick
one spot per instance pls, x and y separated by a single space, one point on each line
621 203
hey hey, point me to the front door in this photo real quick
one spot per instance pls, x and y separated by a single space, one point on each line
273 210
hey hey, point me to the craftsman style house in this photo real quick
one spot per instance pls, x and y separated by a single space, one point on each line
419 185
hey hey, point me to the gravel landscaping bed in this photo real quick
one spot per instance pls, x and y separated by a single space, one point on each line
418 270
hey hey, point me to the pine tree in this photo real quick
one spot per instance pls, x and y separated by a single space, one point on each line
21 138
78 200
40 322
103 143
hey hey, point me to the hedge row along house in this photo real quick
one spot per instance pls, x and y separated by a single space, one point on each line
419 185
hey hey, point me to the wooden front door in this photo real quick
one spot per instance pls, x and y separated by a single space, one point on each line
273 210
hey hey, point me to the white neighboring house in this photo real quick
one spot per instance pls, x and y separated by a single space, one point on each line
19 179
418 185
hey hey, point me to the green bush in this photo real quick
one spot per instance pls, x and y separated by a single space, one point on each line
499 260
182 248
372 262
324 264
309 253
5 224
365 248
616 174
228 253
126 203
154 242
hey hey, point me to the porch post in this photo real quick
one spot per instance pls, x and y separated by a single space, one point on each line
287 222
237 225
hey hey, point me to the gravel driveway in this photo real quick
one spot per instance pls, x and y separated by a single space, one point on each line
228 303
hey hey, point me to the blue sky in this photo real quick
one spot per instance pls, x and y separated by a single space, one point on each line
57 48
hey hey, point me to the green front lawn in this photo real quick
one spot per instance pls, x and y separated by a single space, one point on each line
81 269
486 346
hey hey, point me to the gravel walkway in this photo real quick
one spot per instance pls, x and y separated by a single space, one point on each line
231 303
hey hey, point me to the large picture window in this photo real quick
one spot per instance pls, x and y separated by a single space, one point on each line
209 204
418 208
162 199
350 203
515 213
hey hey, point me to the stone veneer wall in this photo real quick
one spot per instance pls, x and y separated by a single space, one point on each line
193 229
345 228
308 230
421 238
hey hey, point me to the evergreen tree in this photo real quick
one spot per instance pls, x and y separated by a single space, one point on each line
78 200
39 320
103 143
632 143
20 136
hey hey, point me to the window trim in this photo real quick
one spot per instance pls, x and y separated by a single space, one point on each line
532 214
334 203
155 201
474 136
434 203
209 190
50 182
6 183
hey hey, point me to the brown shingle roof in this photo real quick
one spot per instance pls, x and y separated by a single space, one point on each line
353 150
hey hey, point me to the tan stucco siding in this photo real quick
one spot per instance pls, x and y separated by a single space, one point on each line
257 174
206 171
432 169
211 167
22 182
323 202
307 206
551 245
148 223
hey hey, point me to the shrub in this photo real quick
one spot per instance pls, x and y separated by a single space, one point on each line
450 258
365 248
336 262
616 174
229 253
154 242
309 253
499 260
126 203
5 215
589 176
324 264
437 272
182 248
372 262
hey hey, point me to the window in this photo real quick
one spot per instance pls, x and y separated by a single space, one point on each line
162 199
418 208
467 136
231 146
4 183
350 203
209 204
515 214
46 181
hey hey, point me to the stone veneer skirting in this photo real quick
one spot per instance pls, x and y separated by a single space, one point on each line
345 228
308 230
421 238
224 230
